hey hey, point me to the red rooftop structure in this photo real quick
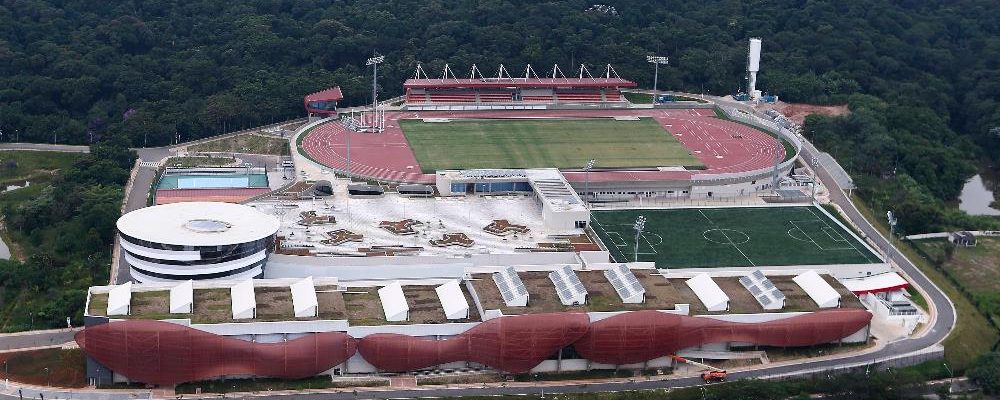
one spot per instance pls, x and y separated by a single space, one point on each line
505 89
323 102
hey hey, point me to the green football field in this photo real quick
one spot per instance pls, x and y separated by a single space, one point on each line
535 143
731 237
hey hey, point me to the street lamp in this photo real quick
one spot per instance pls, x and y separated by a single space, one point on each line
892 224
586 169
640 224
656 61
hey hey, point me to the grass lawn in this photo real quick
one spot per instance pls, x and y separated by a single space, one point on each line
198 161
973 335
18 166
731 237
977 269
247 143
567 143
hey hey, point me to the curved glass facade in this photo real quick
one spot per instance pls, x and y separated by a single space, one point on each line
207 264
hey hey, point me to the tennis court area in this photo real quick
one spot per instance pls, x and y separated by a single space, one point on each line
731 237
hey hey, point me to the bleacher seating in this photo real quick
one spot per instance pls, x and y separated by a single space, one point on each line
543 99
580 96
612 95
453 97
416 98
495 97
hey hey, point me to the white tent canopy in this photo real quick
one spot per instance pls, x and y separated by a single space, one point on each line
453 300
394 302
304 298
182 298
710 294
119 299
818 289
244 300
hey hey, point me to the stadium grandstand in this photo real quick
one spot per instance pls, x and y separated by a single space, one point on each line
324 102
503 89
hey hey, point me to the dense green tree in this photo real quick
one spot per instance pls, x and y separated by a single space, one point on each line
986 372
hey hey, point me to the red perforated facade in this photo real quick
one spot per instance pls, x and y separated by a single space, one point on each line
164 353
512 344
644 335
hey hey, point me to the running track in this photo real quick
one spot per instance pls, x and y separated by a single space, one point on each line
723 146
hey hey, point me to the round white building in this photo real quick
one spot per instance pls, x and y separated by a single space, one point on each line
198 240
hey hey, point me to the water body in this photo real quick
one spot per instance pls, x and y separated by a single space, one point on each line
976 198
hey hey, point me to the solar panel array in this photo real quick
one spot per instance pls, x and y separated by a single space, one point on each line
625 283
568 286
763 290
511 286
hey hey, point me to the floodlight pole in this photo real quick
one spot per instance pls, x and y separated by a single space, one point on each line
640 224
586 169
656 61
892 226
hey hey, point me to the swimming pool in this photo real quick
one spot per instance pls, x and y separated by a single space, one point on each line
212 181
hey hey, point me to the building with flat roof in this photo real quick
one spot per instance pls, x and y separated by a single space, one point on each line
196 241
394 319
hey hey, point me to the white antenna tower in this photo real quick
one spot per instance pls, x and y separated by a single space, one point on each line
420 72
503 72
529 72
753 66
555 69
609 71
448 72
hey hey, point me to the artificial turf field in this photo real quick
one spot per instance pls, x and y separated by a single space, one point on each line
731 237
548 143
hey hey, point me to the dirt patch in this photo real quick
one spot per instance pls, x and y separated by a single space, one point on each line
797 112
51 367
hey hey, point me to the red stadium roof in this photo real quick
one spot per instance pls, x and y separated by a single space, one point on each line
494 83
333 93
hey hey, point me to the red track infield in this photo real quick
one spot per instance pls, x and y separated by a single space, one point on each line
723 146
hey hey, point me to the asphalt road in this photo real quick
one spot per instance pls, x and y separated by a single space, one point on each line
30 339
45 147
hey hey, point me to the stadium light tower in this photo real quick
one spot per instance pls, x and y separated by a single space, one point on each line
586 169
656 61
374 62
640 224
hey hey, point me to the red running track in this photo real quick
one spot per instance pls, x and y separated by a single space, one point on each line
723 146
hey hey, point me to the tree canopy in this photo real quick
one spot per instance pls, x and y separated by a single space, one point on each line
73 69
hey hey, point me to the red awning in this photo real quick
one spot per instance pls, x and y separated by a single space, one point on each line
494 83
331 94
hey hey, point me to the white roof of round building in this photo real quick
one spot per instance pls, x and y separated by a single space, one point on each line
198 224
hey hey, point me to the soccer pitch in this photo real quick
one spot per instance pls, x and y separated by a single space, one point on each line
544 143
731 237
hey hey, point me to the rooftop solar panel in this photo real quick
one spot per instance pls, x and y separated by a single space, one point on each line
767 284
755 290
746 282
624 281
758 275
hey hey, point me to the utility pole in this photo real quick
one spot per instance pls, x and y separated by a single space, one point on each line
656 61
891 217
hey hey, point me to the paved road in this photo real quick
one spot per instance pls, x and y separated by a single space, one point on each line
23 340
45 147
